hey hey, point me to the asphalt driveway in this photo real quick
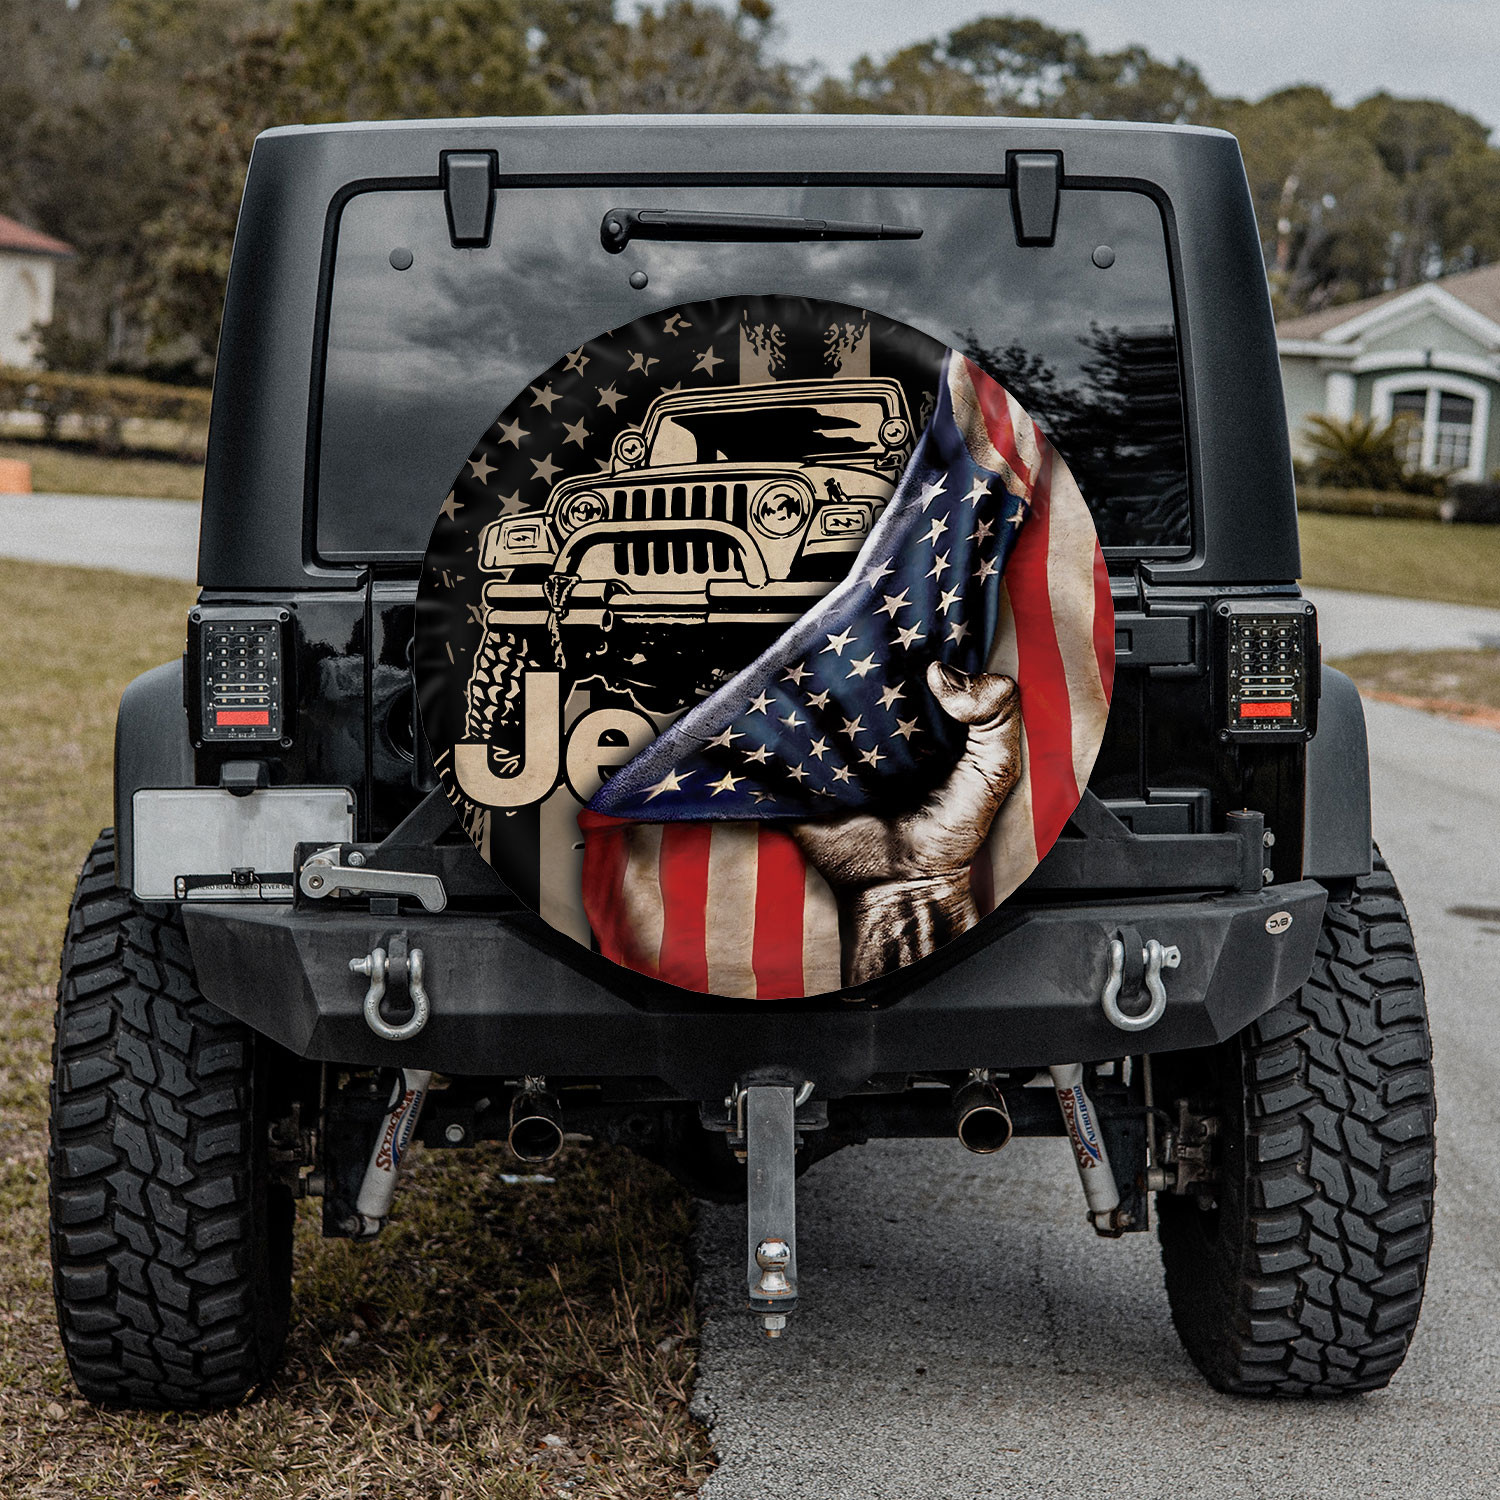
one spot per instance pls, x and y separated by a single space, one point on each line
156 537
962 1333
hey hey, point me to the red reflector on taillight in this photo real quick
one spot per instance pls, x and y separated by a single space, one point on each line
1265 710
241 716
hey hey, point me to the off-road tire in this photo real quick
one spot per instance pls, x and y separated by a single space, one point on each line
1306 1276
171 1246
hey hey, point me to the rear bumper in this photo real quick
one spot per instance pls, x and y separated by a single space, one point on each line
510 997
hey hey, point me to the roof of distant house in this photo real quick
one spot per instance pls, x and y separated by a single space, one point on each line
1479 290
15 235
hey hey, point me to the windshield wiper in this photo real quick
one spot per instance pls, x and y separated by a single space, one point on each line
621 225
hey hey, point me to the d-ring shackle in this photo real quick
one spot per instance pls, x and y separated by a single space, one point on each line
376 966
1156 958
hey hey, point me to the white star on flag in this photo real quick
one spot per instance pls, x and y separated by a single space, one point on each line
671 782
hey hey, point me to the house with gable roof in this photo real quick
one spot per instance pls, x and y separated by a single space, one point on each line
28 264
1430 351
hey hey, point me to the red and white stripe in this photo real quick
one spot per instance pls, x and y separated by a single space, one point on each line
723 908
1056 637
733 909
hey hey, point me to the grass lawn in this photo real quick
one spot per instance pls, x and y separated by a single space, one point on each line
499 1340
60 469
1415 559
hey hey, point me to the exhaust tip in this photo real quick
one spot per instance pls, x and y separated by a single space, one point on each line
982 1120
536 1133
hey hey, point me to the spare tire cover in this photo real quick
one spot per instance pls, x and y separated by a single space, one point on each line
765 645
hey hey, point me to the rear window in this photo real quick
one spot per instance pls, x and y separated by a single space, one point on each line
419 360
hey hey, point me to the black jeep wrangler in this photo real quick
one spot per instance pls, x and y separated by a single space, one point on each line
487 807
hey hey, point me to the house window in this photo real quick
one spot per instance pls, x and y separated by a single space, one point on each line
1443 421
1410 409
1454 432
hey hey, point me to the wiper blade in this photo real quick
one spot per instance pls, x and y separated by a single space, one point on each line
621 225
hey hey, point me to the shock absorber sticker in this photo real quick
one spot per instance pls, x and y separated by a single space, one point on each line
398 1130
1078 1117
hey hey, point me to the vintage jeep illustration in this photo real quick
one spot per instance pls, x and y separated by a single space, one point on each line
713 501
292 956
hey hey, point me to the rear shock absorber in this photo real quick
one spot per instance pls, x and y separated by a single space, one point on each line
378 1189
1100 1190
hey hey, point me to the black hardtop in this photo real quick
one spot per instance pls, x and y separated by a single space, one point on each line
258 526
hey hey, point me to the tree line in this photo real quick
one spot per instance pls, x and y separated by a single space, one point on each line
125 127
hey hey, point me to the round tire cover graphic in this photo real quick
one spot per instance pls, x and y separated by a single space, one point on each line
765 645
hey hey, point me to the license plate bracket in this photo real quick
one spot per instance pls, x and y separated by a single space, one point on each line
212 844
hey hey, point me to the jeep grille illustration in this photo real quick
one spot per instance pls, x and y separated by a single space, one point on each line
753 498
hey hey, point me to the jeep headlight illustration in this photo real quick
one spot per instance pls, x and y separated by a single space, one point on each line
780 508
630 449
582 509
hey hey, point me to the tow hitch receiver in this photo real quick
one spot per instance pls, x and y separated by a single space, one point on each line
770 1115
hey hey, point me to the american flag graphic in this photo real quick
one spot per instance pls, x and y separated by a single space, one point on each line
985 560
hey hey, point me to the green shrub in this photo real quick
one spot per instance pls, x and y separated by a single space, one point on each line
1359 453
102 404
1344 501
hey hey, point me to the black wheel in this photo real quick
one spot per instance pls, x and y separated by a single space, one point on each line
1300 1269
171 1245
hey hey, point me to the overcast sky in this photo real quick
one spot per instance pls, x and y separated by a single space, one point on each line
1443 49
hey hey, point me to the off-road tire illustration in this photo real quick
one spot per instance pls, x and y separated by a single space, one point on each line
1306 1278
171 1245
494 685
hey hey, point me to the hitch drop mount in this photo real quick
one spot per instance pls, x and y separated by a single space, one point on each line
770 1124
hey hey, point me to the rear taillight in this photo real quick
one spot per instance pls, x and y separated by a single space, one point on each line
1267 652
236 674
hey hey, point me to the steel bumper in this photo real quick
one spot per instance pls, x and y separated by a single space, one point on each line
511 997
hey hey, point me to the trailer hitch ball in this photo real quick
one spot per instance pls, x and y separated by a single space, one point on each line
773 1257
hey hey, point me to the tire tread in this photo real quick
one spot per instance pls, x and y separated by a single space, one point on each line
170 1250
1319 1258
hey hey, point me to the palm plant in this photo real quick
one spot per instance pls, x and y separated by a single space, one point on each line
1359 453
